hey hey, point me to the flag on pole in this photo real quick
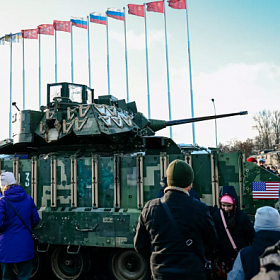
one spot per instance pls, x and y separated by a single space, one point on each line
115 13
46 29
137 10
79 22
177 4
30 33
16 37
265 190
61 25
98 18
13 37
8 37
157 6
2 40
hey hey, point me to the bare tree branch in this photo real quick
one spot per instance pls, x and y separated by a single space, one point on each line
263 123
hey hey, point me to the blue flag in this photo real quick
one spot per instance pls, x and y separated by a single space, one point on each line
15 38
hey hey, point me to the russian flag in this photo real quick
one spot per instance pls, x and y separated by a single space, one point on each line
79 22
115 13
98 18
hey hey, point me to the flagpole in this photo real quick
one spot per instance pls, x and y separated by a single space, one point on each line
23 76
11 84
125 45
39 70
147 64
72 63
108 66
55 55
190 71
89 66
167 70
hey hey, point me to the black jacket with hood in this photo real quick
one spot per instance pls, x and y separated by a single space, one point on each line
239 225
170 258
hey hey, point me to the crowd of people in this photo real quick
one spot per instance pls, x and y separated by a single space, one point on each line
182 236
261 162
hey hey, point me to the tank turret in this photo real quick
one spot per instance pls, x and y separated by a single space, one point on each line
74 120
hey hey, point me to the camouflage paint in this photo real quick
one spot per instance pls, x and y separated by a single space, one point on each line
107 226
255 173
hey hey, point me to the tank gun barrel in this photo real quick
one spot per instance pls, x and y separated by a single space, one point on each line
156 125
199 119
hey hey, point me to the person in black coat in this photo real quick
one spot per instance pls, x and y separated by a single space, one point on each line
267 228
239 226
170 257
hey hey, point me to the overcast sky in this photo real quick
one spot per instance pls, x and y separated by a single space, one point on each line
234 54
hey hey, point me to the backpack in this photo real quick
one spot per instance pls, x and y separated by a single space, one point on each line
270 264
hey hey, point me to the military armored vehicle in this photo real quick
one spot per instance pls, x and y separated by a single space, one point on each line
91 164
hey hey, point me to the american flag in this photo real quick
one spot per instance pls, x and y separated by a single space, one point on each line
265 190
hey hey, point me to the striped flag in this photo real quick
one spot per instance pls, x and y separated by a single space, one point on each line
79 22
265 190
8 38
98 18
14 37
115 13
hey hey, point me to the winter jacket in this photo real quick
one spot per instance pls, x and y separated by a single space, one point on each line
192 193
247 263
270 264
170 257
242 233
16 243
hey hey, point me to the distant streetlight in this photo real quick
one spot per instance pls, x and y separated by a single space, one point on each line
215 122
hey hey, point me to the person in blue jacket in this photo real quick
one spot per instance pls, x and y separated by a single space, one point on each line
267 228
16 242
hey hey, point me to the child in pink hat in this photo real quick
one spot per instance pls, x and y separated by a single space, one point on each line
237 224
227 203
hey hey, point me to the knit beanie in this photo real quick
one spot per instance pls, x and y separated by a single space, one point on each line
7 179
227 198
267 218
251 159
179 174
